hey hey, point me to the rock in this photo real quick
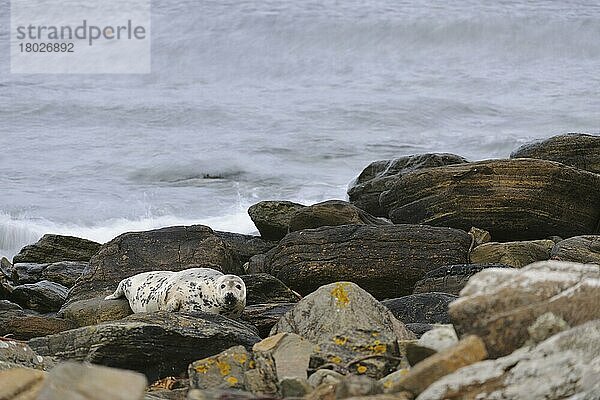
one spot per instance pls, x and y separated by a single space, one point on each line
576 149
336 307
386 260
6 305
294 387
419 329
424 308
289 352
439 338
219 394
20 354
6 287
265 288
76 381
518 199
545 326
451 279
222 371
54 248
264 316
23 326
480 236
415 353
244 247
515 254
365 190
5 264
357 385
21 384
256 265
272 218
468 351
43 296
174 249
324 376
564 366
175 394
582 249
500 304
156 344
357 351
63 272
22 273
332 213
95 311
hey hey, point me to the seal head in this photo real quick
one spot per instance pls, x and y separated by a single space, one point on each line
231 293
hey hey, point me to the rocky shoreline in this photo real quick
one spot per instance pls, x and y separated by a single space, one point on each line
439 279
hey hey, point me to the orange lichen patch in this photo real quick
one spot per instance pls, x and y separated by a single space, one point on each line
201 368
252 364
375 334
335 360
340 340
224 367
387 384
232 380
240 358
361 369
340 294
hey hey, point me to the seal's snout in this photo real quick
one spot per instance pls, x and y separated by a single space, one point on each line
230 299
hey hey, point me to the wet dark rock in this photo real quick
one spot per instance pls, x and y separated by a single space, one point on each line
418 328
579 150
21 325
583 249
6 286
332 213
272 218
365 190
386 261
174 249
265 288
156 344
423 308
43 296
264 316
244 247
63 272
518 199
256 265
452 278
18 354
54 248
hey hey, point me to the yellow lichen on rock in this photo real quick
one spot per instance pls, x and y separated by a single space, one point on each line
340 340
232 380
340 294
361 369
240 358
224 367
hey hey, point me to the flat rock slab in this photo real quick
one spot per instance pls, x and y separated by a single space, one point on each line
384 260
515 254
172 249
95 311
337 307
265 316
54 248
576 149
424 308
559 368
582 249
365 190
499 305
22 326
63 272
332 213
272 218
43 296
516 199
265 288
156 344
451 279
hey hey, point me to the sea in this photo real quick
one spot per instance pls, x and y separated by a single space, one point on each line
252 100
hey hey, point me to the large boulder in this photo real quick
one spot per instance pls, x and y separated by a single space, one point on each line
14 353
332 213
265 288
582 249
424 308
42 296
515 254
156 344
54 248
272 218
565 366
386 261
517 199
337 307
451 279
365 190
499 305
63 272
244 247
173 249
579 150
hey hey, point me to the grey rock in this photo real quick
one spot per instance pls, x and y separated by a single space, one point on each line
18 353
451 278
582 249
265 288
385 260
294 387
264 316
324 376
332 213
20 325
272 218
244 247
289 353
365 190
256 264
419 329
221 371
545 326
439 338
579 150
43 296
515 254
95 311
424 308
156 344
221 394
54 248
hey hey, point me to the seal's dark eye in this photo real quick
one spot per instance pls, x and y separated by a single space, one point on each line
239 287
222 286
